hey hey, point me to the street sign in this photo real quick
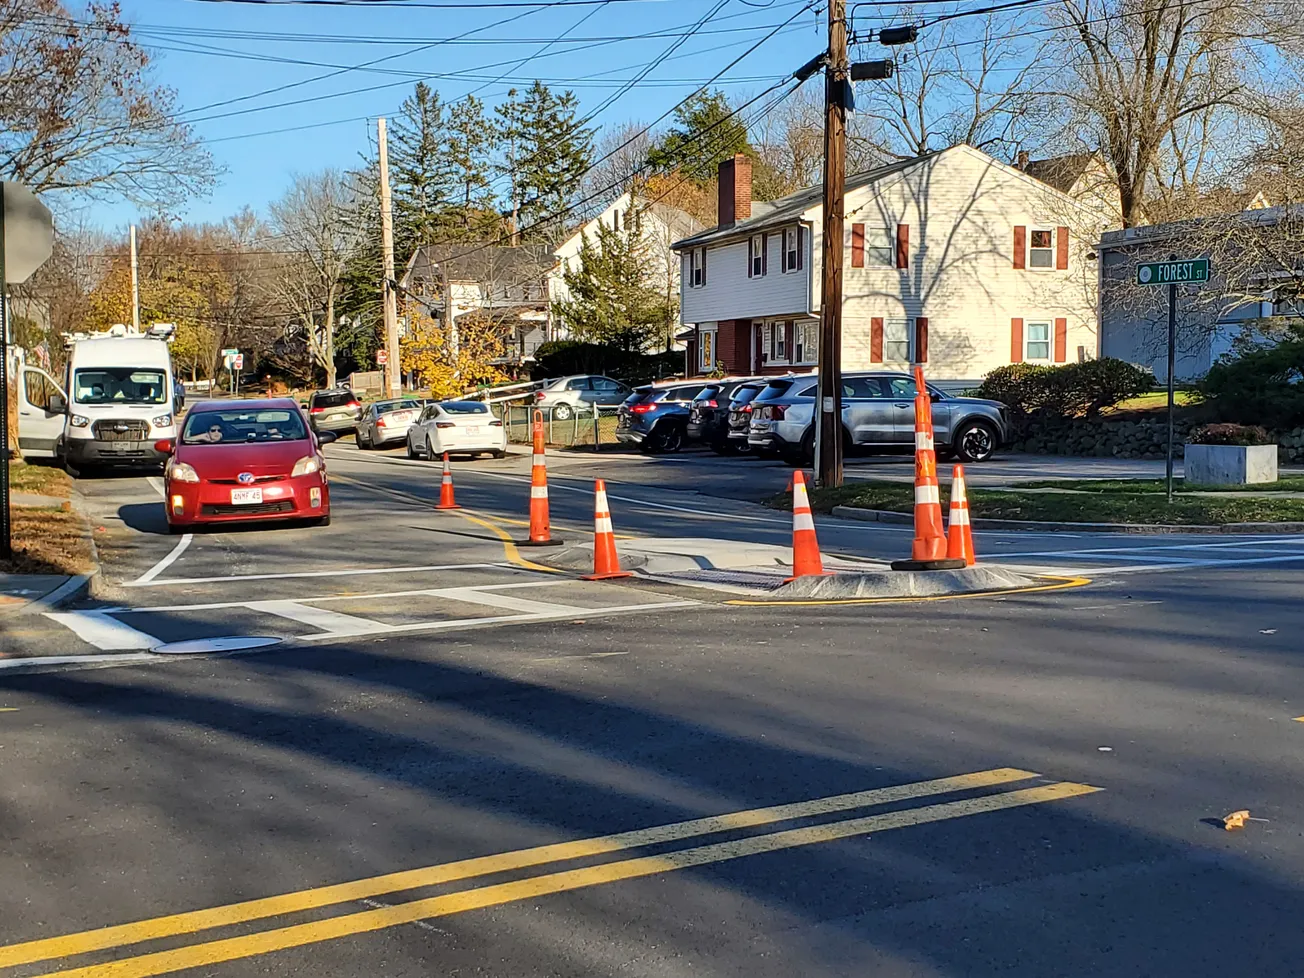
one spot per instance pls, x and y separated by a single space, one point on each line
229 353
29 233
1173 272
237 361
382 357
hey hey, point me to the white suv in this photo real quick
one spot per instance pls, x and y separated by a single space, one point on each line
567 396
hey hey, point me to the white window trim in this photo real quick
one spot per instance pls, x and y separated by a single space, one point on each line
1028 340
785 251
695 265
1027 264
806 357
756 256
909 340
774 332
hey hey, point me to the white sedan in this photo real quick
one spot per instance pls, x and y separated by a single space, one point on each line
456 427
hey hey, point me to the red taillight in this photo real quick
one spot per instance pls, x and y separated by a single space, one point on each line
643 408
710 403
445 424
776 412
538 395
495 424
354 404
316 410
382 423
747 409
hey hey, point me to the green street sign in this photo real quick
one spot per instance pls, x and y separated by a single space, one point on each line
1173 272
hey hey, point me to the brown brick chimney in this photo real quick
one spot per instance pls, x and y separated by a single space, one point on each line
734 203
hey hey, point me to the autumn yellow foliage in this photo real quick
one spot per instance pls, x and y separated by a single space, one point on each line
427 352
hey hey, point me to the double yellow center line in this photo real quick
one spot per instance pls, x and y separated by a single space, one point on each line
298 935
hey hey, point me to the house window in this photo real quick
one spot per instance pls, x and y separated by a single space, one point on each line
792 249
807 341
896 341
756 256
1036 341
774 342
1041 249
706 355
697 268
873 247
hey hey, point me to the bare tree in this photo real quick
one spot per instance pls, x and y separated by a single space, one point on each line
622 153
1170 93
79 113
310 226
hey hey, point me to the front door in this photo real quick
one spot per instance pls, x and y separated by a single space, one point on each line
902 391
39 424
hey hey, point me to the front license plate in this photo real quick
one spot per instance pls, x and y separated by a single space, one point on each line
246 497
473 429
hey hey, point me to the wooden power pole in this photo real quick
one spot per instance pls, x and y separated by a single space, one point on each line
135 284
393 374
828 437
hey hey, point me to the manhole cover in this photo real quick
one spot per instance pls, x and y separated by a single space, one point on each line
737 578
228 643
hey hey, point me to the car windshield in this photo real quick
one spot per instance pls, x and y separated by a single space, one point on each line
329 399
120 385
247 426
385 407
464 407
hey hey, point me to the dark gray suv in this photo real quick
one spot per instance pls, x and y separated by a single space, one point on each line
877 413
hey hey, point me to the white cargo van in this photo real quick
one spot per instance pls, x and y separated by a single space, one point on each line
117 403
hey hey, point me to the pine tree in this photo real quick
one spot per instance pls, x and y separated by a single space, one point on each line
704 135
420 172
614 296
547 151
360 303
468 143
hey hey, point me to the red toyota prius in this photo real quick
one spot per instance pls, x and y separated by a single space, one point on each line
246 460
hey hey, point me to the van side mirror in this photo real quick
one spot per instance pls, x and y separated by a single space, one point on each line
167 446
58 404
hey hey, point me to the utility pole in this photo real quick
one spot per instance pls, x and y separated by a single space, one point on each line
135 285
828 433
393 374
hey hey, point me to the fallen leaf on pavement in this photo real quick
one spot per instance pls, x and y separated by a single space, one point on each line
1236 820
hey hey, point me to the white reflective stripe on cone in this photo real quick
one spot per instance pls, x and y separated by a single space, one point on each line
799 497
538 459
603 525
448 479
803 521
927 494
959 517
923 441
538 492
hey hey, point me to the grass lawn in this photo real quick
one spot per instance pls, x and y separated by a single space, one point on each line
1286 484
47 541
1153 401
48 480
1115 507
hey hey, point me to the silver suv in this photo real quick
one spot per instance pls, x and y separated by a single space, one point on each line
568 396
877 413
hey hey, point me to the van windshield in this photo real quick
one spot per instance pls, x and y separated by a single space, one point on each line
120 385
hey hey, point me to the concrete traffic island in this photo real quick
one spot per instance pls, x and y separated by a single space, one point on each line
887 584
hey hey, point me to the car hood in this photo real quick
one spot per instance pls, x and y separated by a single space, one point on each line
975 400
228 461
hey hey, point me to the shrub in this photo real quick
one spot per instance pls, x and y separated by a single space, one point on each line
1069 391
1265 386
1229 434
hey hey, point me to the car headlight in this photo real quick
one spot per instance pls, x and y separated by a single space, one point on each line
162 421
306 465
79 421
182 472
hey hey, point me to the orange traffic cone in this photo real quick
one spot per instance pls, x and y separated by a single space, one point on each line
446 488
606 562
928 552
959 534
806 560
540 528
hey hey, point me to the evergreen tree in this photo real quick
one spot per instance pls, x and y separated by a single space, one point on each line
361 300
614 295
420 171
468 144
547 151
704 135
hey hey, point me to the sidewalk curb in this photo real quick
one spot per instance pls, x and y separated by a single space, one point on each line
1137 529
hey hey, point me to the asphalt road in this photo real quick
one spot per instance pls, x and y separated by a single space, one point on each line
1089 737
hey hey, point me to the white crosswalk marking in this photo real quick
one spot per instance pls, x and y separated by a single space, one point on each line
103 631
323 618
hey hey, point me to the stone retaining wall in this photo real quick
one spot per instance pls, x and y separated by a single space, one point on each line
1129 439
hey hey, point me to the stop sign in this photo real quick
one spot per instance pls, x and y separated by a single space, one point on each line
28 232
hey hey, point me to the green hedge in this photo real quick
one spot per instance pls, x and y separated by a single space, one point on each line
1264 386
1074 390
558 358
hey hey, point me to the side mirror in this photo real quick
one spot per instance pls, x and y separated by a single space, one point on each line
167 446
303 404
934 396
58 404
326 437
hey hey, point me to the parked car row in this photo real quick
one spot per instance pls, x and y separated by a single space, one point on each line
776 416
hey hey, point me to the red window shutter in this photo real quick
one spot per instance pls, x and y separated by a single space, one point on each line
876 340
789 353
1061 248
1016 341
1020 249
857 246
1061 340
921 340
765 254
903 246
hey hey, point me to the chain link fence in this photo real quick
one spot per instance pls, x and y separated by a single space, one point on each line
589 425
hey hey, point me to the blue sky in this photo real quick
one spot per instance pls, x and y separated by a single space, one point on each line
222 65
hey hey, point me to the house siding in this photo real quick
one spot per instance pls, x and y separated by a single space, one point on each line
730 294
